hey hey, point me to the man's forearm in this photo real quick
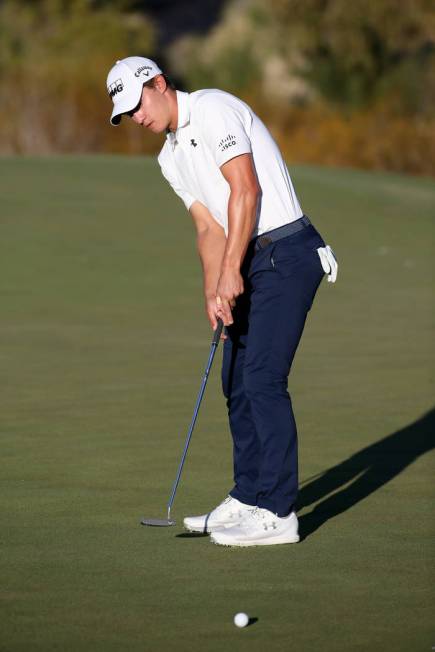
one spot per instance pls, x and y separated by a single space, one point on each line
211 248
242 207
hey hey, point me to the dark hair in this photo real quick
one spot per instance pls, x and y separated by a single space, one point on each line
168 80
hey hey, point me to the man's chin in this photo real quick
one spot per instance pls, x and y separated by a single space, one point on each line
155 128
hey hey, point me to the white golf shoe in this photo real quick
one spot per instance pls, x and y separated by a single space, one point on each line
229 513
259 527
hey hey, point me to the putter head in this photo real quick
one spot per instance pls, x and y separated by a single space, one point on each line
157 522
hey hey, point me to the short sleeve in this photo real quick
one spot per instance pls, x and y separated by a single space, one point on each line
187 198
225 128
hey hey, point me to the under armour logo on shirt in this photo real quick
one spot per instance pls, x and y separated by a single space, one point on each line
192 142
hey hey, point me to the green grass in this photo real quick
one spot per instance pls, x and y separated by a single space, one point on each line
103 341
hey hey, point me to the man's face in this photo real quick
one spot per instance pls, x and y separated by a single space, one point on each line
153 111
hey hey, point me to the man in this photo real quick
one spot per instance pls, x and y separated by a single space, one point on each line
262 263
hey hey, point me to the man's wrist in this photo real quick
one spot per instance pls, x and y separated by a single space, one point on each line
231 264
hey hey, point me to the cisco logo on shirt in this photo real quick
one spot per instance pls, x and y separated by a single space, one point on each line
229 141
116 87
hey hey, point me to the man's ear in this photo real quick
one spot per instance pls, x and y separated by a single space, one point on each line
160 83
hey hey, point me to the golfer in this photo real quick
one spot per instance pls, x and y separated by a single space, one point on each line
262 262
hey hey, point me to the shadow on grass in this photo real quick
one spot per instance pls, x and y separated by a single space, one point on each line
366 471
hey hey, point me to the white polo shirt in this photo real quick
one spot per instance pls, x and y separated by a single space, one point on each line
214 127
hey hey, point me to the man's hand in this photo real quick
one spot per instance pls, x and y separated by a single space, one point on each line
211 308
230 286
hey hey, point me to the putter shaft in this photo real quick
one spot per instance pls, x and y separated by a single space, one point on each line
214 344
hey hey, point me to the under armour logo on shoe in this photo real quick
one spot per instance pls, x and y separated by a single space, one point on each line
192 142
272 525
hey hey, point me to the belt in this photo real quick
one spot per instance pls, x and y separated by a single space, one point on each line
281 232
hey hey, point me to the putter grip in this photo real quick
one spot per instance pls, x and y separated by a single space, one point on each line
218 332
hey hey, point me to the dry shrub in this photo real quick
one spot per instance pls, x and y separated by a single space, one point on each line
374 139
54 59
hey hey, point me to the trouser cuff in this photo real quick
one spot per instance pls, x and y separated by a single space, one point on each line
280 510
243 498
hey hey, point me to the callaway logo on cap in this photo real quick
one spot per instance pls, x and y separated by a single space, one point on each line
125 82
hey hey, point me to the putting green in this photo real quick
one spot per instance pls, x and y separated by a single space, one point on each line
103 343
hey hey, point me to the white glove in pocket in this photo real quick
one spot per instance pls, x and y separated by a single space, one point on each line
329 262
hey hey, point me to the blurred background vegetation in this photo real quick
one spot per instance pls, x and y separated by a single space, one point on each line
338 82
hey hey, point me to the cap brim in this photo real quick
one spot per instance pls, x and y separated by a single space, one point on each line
127 104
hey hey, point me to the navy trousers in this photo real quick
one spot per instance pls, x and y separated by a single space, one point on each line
280 283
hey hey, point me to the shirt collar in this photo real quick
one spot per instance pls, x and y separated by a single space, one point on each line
183 116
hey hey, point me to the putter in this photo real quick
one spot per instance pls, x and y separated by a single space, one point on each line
165 522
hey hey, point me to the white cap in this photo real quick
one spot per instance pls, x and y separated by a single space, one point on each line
125 82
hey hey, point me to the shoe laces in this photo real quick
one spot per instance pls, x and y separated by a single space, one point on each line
264 518
259 513
223 504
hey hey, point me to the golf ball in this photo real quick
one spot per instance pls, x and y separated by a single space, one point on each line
241 619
